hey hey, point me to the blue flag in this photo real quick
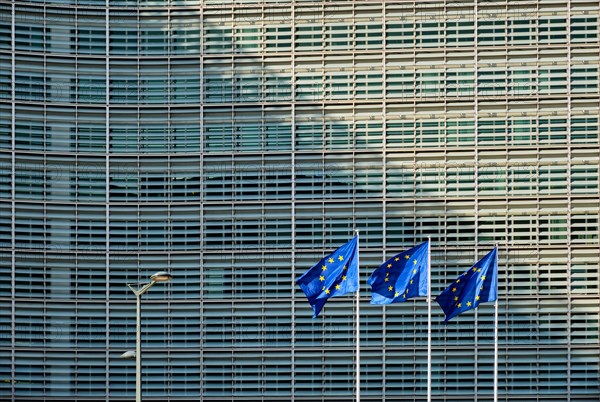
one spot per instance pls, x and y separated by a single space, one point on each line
403 276
336 274
479 284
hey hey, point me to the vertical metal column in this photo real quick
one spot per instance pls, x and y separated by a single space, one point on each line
13 195
293 210
384 192
569 204
201 201
107 190
475 173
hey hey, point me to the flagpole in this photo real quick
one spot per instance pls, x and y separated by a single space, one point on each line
429 319
496 336
358 322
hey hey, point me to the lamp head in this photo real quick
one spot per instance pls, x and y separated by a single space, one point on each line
130 354
161 276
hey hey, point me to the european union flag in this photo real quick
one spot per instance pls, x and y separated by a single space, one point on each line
401 277
336 274
479 284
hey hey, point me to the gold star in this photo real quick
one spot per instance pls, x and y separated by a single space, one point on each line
414 262
345 267
481 288
327 291
468 304
396 294
407 256
476 298
479 270
483 277
390 288
323 268
406 291
387 279
344 277
454 289
321 278
414 271
330 260
474 269
455 298
459 305
338 287
411 281
387 274
389 265
341 258
404 296
397 259
458 281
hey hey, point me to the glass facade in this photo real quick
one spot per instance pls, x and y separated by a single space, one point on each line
234 142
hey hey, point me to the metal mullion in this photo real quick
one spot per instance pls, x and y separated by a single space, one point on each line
13 274
497 351
137 106
169 88
46 274
45 170
262 186
414 113
569 204
232 217
76 58
293 208
384 189
262 279
169 185
107 192
44 81
356 319
476 171
201 204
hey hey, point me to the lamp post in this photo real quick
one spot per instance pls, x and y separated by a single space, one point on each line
157 277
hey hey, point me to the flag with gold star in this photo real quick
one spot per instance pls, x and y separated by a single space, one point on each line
401 277
336 274
479 284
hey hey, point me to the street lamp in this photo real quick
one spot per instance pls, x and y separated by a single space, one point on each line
157 277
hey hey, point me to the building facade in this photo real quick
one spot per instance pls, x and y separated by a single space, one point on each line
234 143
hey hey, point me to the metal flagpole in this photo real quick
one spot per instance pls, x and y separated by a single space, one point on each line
496 351
496 335
357 322
429 319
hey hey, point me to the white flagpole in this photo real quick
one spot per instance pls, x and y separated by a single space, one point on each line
429 319
357 323
496 336
496 351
